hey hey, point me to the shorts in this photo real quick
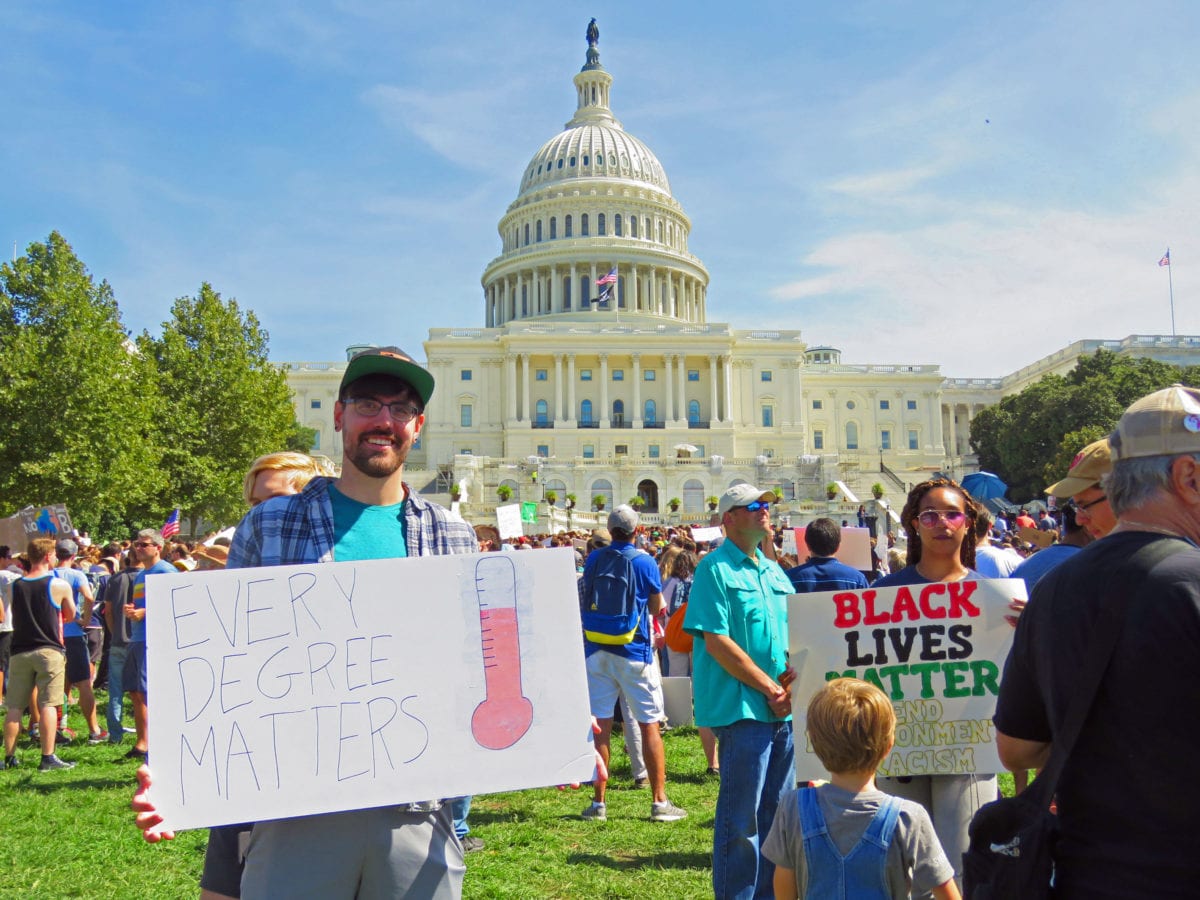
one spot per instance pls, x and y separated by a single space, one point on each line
369 854
5 650
133 679
95 639
609 675
46 668
79 662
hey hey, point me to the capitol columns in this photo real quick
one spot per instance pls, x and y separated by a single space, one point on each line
575 287
510 373
570 387
730 412
558 387
713 399
526 417
681 404
636 299
555 290
604 410
637 390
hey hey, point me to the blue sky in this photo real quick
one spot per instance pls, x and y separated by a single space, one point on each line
968 184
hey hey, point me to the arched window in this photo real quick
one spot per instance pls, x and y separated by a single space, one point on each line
542 413
583 225
617 225
651 412
524 299
516 489
553 228
567 226
693 496
851 435
560 489
657 227
618 414
526 234
585 412
566 292
633 226
585 289
600 225
538 231
693 412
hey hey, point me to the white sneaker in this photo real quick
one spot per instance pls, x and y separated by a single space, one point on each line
666 812
597 812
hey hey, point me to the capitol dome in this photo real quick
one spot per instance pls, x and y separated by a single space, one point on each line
594 228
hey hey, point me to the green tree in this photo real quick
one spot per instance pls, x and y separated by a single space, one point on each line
225 403
1030 438
78 400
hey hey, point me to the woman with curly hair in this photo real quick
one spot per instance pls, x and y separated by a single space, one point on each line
939 519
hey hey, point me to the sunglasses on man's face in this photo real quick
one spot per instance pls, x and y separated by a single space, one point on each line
952 517
757 505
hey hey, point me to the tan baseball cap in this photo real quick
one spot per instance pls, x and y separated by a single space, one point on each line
1160 424
1088 466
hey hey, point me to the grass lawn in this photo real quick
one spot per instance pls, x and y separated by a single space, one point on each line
71 834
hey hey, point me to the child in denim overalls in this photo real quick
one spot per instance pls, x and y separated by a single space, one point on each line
847 840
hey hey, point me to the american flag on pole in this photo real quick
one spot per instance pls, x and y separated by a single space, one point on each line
1166 259
608 281
171 526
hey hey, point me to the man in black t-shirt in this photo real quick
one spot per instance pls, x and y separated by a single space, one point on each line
1128 797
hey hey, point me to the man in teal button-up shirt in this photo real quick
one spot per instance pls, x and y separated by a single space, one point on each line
737 611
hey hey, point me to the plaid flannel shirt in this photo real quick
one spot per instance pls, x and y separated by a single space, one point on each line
299 529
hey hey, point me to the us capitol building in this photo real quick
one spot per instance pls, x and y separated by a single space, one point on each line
641 394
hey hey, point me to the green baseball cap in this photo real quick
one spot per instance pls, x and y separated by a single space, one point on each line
389 361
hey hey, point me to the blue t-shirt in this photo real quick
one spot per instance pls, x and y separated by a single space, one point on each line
1035 567
645 571
362 531
137 628
77 580
824 573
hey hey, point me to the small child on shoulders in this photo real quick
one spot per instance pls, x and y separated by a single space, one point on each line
847 838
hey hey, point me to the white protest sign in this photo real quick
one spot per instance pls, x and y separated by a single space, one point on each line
854 550
789 542
710 533
937 651
294 690
508 521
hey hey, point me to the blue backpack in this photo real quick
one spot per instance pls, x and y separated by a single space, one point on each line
610 608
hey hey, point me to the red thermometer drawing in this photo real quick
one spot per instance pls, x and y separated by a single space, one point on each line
505 714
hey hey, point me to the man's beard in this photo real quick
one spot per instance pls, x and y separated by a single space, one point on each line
377 465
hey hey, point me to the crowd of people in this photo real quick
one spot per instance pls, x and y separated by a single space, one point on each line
654 602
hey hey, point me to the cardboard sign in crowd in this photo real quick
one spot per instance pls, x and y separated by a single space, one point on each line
294 690
937 650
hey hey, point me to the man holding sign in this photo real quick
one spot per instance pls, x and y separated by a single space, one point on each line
737 612
367 513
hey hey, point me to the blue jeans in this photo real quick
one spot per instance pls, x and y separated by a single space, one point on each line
116 695
757 762
460 808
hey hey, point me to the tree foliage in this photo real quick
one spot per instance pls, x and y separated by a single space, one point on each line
76 397
225 403
1030 438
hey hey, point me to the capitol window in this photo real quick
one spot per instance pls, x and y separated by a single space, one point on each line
768 417
540 375
618 375
585 160
913 441
553 228
585 374
850 404
567 226
912 404
885 404
633 226
538 231
315 404
583 225
653 451
600 224
693 375
818 440
885 440
649 375
617 225
589 451
560 163
572 161
818 404
464 415
766 375
465 375
621 450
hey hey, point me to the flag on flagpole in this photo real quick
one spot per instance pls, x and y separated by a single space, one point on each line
171 526
1166 260
607 281
610 278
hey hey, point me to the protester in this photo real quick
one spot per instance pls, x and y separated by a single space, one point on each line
822 572
991 562
368 512
737 613
847 838
1083 490
40 601
148 548
1127 797
939 517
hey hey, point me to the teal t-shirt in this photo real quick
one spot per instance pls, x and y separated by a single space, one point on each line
734 596
366 532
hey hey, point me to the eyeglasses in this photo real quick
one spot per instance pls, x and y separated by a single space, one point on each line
145 544
368 406
757 505
1084 507
952 517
